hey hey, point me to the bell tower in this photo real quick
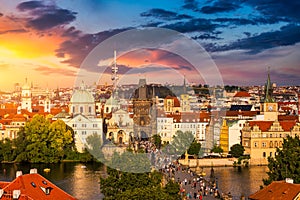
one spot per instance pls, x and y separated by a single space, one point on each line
270 107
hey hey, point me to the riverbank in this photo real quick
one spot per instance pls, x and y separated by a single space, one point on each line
207 162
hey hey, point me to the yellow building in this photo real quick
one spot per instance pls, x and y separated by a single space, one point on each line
224 137
261 138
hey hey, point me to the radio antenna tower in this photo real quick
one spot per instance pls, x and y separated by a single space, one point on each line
114 70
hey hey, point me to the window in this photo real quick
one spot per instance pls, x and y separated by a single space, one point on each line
90 109
95 125
270 135
280 144
83 125
271 144
81 109
270 154
264 154
264 144
255 144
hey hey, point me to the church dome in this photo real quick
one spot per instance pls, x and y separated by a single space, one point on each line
82 96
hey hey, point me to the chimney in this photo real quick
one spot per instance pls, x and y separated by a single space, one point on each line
19 173
33 171
289 180
16 194
1 193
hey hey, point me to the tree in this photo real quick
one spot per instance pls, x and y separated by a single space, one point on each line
194 149
124 185
237 150
180 143
286 163
45 142
157 140
6 150
217 149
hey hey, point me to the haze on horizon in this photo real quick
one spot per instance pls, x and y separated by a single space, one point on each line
47 41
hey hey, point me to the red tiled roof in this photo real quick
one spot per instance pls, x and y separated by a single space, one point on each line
287 125
33 186
190 117
176 101
7 111
231 113
263 125
242 94
277 190
287 117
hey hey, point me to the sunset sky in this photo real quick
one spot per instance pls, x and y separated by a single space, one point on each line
52 42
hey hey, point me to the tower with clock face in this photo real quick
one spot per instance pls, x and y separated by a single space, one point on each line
270 107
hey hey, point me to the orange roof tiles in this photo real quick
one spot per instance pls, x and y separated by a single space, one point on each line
277 190
34 186
263 125
287 125
231 113
242 94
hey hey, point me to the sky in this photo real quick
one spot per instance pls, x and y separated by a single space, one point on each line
57 43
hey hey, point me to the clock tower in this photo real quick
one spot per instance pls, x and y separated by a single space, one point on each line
270 107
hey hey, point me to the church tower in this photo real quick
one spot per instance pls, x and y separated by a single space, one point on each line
47 103
270 107
224 137
26 97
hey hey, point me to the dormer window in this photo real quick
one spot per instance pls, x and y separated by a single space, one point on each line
46 190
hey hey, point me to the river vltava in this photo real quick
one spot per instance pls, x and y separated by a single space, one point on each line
82 180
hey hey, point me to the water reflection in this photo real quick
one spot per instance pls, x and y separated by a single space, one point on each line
239 181
83 182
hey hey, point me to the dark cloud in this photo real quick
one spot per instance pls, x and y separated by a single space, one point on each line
1 14
13 31
287 35
220 6
43 17
206 36
71 32
235 21
286 10
164 14
200 24
190 4
77 48
30 5
152 24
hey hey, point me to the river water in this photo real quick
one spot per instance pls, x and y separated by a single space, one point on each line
82 180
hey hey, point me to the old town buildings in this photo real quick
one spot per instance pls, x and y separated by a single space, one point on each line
258 118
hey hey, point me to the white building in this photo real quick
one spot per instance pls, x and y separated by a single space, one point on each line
83 118
26 103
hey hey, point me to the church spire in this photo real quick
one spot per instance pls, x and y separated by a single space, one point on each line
269 89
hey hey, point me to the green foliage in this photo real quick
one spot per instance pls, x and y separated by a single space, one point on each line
130 162
286 163
217 149
237 150
6 150
180 143
157 140
46 141
194 149
94 147
40 141
124 185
